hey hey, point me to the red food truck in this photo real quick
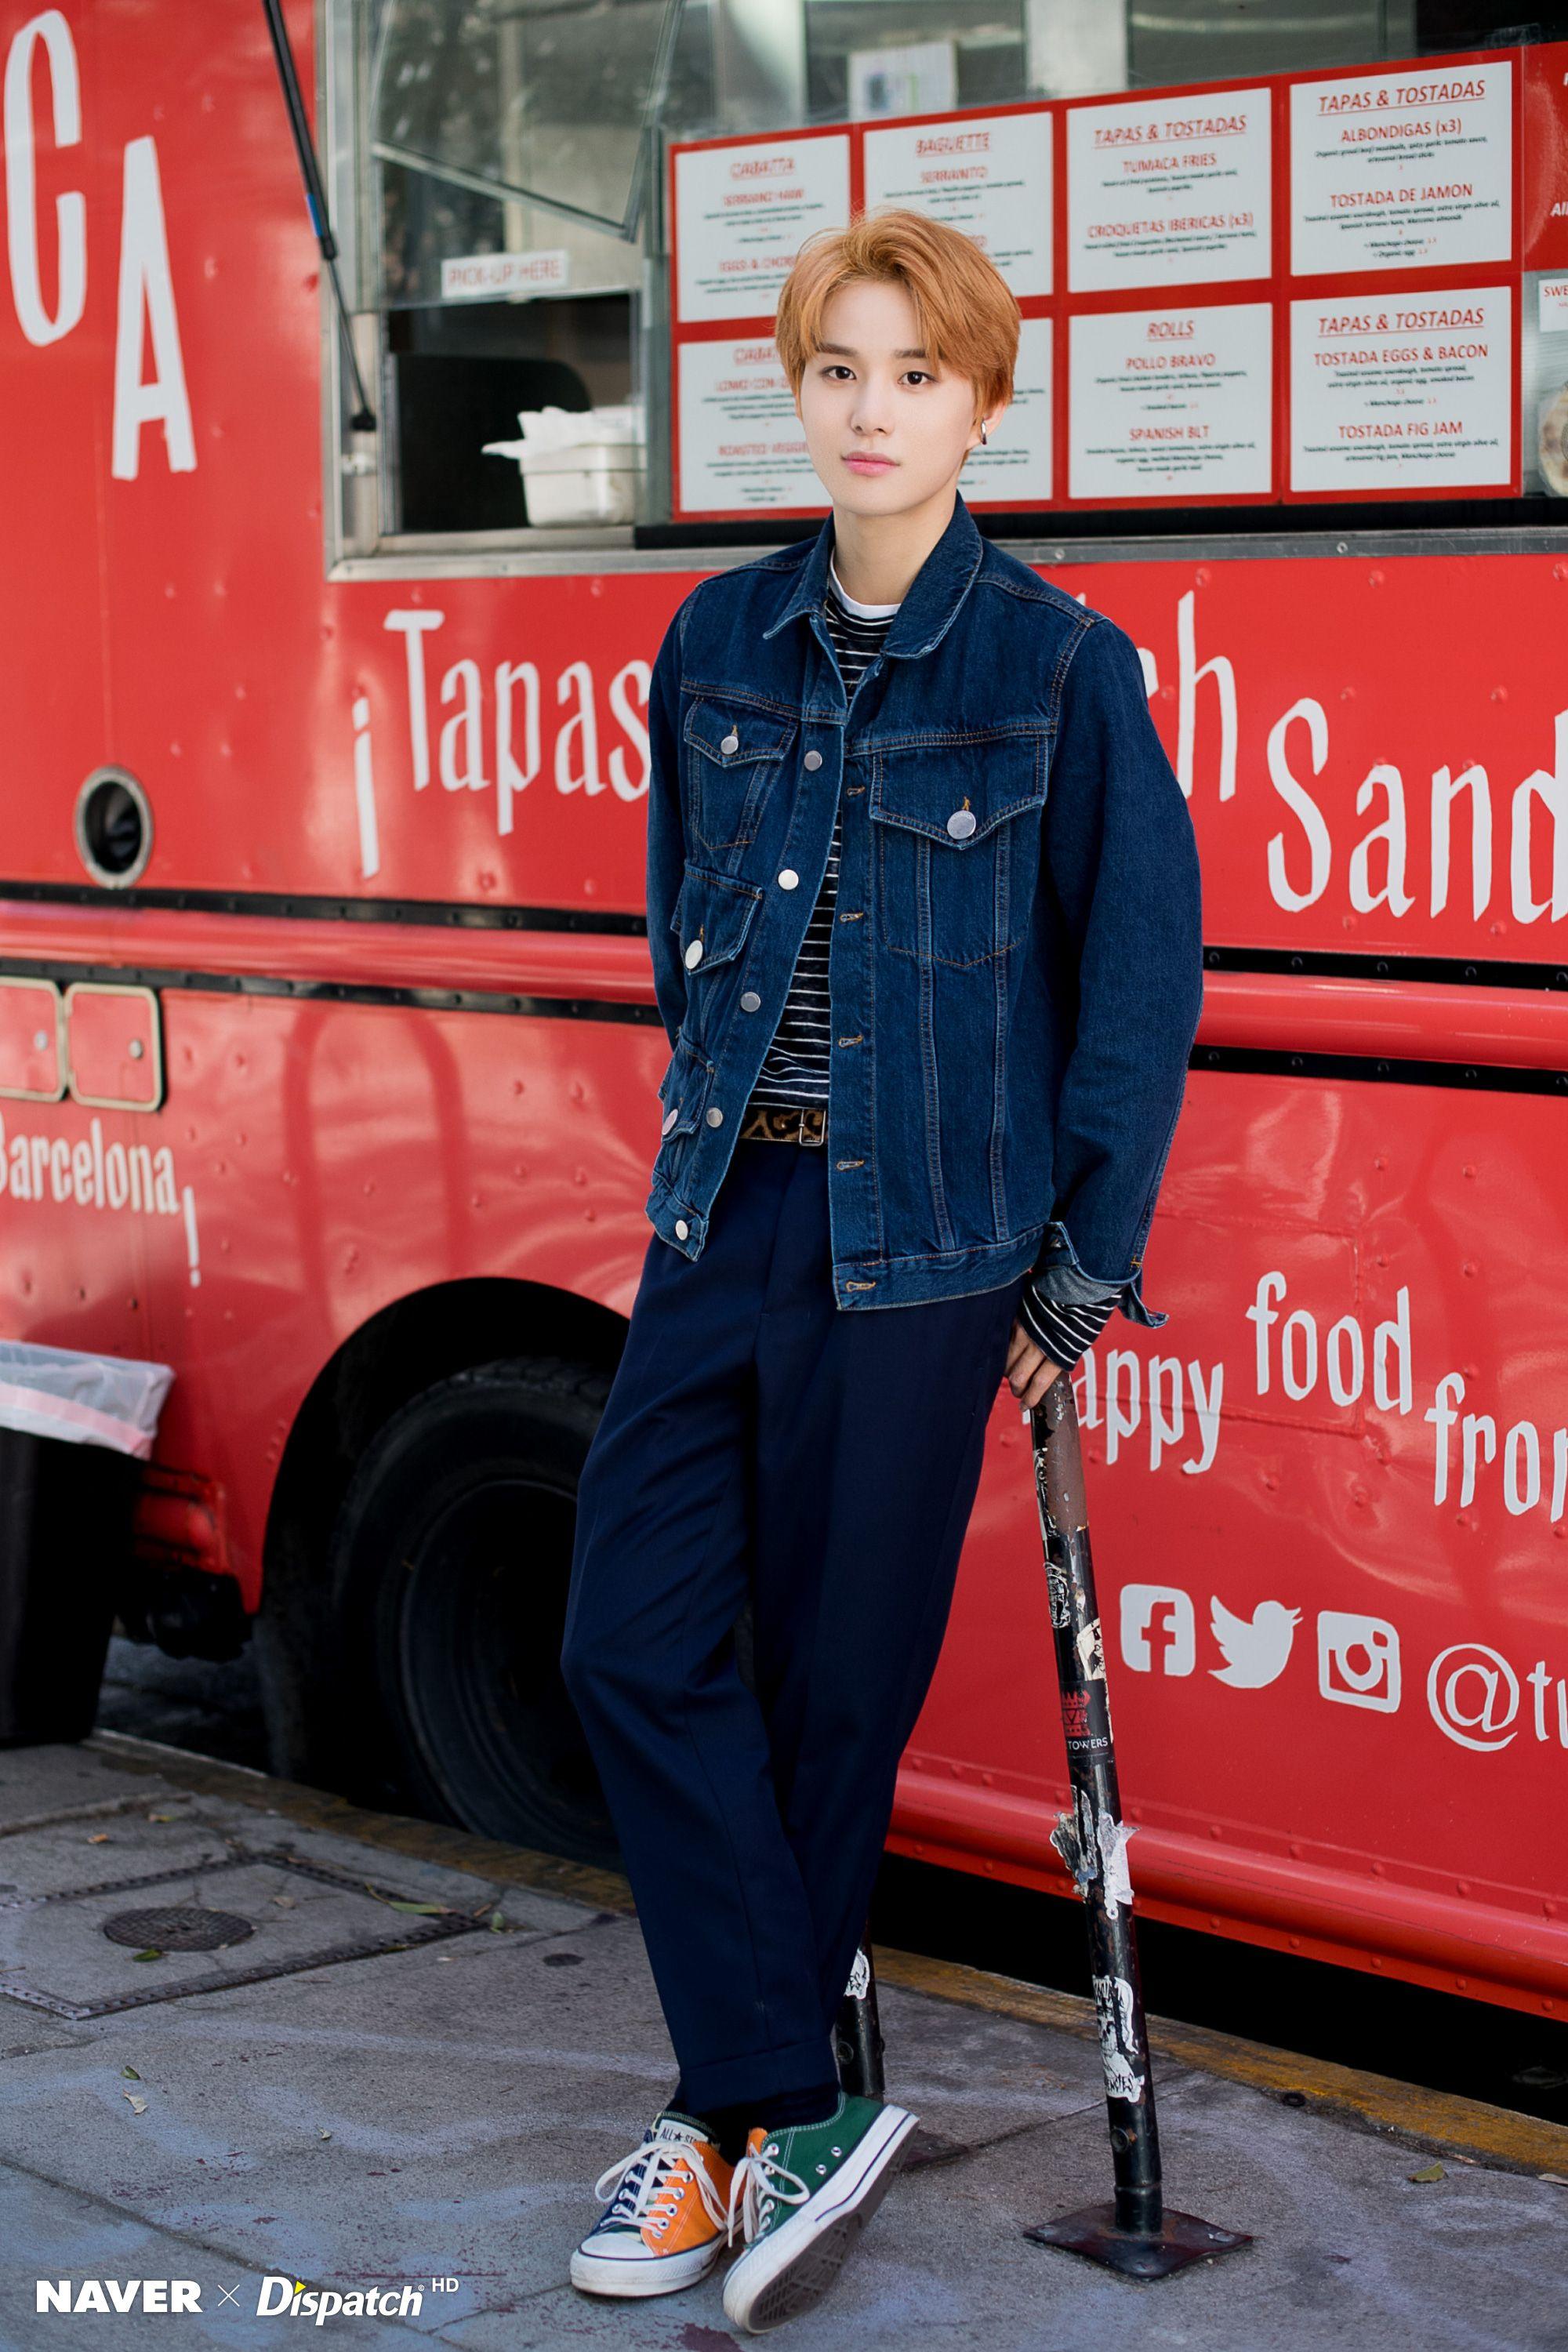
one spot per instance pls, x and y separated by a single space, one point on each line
328 1056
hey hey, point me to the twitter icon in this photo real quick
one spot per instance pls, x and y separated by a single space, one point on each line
1256 1648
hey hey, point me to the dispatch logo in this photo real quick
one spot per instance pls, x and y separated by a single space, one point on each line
277 2297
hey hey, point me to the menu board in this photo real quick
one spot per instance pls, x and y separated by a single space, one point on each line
1407 170
740 447
1415 389
745 211
1013 469
1171 403
1169 190
989 175
1244 291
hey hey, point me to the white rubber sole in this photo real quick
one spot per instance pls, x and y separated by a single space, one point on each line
635 2275
795 2265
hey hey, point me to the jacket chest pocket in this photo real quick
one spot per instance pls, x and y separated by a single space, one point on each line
957 843
732 755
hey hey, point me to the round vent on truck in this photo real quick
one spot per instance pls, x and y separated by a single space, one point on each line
113 827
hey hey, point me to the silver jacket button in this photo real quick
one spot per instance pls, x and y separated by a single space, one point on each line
961 824
749 1001
814 760
715 1116
670 1119
788 878
681 1229
731 743
693 955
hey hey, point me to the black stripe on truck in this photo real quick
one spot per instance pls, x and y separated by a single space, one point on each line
1477 1077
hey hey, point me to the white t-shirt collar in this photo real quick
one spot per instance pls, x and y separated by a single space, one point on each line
853 605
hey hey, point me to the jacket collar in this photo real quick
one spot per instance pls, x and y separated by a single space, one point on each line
939 587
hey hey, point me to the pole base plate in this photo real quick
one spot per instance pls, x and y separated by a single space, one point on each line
1093 2232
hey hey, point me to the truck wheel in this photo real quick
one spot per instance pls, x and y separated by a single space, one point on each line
448 1570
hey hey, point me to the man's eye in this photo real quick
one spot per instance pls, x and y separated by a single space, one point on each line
918 375
835 367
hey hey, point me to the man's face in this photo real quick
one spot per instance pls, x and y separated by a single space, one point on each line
886 427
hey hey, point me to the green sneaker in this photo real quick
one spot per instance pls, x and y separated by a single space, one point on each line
804 2195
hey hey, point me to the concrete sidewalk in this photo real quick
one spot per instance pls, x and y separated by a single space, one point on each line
355 2097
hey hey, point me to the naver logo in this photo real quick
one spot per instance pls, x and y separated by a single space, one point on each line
118 2295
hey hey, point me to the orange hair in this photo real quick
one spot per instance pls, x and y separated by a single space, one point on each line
968 318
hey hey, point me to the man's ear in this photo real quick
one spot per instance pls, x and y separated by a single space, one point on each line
992 417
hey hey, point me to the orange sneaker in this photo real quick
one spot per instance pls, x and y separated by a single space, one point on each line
667 2223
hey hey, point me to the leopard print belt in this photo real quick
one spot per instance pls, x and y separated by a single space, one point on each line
779 1123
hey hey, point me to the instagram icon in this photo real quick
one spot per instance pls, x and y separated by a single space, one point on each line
1358 1660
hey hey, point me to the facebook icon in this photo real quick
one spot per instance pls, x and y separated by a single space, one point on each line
1165 1613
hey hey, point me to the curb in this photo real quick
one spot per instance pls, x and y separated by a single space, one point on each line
1471 2129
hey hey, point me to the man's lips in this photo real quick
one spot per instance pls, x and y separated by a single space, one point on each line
860 461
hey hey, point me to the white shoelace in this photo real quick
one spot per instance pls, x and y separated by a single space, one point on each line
655 2197
757 2180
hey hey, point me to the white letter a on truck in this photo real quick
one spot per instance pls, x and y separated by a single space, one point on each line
146 291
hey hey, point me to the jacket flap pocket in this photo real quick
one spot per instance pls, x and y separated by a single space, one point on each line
734 735
683 1090
712 916
958 793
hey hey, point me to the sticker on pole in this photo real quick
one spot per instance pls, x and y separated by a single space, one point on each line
1118 2039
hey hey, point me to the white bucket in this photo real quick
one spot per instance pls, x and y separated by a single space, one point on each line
87 1400
578 466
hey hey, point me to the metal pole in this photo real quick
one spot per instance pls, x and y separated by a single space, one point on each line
1134 2234
856 2031
857 2046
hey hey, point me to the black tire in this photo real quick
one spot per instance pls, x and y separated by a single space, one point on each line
448 1570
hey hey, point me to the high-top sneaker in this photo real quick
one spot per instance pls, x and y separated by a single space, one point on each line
804 2195
665 2224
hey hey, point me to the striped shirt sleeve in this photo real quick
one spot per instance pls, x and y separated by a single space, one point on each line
1063 1331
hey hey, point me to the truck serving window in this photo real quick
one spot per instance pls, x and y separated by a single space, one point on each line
505 155
543 262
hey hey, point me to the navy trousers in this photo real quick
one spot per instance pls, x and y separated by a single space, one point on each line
759 1442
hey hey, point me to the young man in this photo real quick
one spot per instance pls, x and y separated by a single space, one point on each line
923 907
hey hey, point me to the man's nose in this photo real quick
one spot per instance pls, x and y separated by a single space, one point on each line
870 413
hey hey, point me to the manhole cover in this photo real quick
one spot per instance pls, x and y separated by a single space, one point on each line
178 1927
52 1957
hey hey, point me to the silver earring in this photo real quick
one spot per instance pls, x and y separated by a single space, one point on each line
984 437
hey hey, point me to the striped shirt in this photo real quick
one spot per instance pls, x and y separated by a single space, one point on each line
795 1067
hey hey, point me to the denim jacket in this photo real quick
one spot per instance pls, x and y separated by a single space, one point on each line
1015 971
